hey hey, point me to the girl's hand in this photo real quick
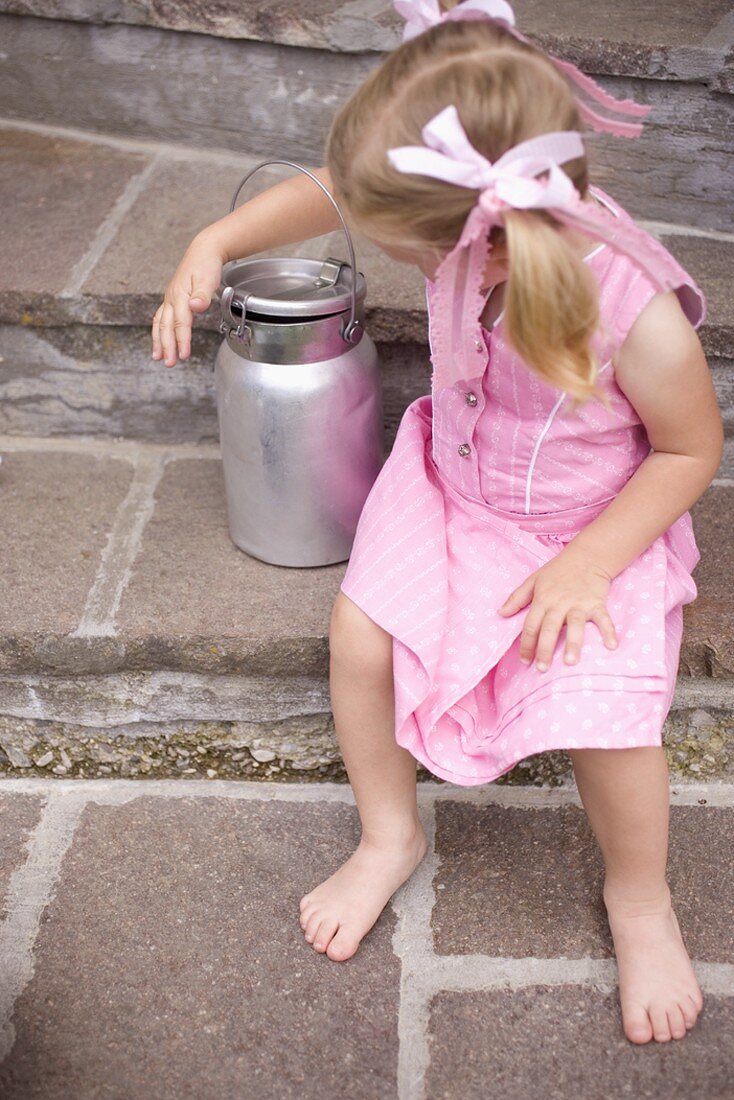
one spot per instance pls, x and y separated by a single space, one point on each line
190 291
569 590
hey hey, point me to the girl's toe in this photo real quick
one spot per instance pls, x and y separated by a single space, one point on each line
637 1026
343 945
660 1025
676 1022
325 933
306 913
311 926
690 1011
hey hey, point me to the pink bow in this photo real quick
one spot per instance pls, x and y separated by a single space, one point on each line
449 155
422 14
458 350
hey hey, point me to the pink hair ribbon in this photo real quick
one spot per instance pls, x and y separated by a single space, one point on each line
458 349
422 14
449 155
419 15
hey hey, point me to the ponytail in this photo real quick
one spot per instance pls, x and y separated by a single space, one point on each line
551 305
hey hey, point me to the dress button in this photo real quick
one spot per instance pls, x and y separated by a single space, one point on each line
464 450
471 398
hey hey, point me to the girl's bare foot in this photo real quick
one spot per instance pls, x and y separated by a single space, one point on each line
339 913
658 990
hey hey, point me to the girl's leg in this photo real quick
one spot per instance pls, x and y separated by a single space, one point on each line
625 795
338 913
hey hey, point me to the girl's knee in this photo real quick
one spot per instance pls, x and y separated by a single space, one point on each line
356 639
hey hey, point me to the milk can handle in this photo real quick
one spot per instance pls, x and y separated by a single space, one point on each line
352 331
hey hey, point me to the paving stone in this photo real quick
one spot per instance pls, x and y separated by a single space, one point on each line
196 602
519 882
192 580
19 814
57 512
708 646
181 199
171 953
68 189
624 21
568 1042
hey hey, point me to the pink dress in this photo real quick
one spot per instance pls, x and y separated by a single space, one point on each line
453 524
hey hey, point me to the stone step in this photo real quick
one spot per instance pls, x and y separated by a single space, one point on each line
136 638
144 78
622 39
114 227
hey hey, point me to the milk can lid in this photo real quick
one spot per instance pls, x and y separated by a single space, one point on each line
289 286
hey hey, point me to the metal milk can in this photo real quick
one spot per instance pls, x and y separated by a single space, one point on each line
299 403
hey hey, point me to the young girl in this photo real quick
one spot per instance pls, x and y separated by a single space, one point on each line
518 574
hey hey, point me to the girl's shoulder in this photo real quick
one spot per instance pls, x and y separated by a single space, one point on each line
626 287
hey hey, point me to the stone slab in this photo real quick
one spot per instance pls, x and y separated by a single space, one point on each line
121 725
298 746
99 380
611 38
727 461
189 572
197 603
679 171
516 882
561 1042
250 98
127 283
55 193
190 578
722 372
19 814
181 198
171 954
709 648
57 511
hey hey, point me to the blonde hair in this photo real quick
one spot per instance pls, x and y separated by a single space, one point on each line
505 92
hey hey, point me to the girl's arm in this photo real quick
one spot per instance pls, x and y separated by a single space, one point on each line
662 369
292 211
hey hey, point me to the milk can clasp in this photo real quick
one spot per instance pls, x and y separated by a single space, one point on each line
231 324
